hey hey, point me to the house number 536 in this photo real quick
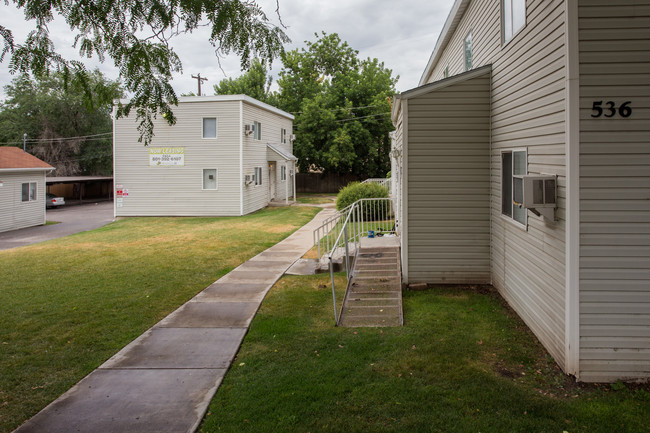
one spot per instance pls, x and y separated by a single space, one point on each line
610 109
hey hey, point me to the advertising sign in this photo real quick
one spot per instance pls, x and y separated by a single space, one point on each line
166 156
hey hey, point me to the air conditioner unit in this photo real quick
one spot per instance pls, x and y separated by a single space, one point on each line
537 193
248 129
292 137
248 179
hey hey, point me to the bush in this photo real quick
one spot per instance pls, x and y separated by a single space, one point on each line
356 190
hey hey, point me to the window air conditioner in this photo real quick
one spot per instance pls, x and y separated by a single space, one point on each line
537 193
248 179
248 129
292 137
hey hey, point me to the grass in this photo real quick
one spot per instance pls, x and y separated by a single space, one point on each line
67 305
316 198
463 362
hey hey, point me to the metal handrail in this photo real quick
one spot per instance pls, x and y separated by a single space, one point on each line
359 215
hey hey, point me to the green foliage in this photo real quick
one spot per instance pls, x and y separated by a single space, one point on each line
254 83
388 175
356 191
135 35
341 105
47 110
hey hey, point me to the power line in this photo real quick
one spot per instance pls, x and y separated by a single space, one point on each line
101 136
338 109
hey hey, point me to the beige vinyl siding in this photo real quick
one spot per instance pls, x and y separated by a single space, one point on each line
255 155
448 184
14 213
527 103
614 191
178 191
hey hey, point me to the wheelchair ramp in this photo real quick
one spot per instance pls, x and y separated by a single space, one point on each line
374 294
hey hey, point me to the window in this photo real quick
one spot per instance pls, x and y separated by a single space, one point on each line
29 191
447 72
209 178
513 165
257 130
209 127
283 172
258 175
514 17
468 52
283 135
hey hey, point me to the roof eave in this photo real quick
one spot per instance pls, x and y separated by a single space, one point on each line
457 11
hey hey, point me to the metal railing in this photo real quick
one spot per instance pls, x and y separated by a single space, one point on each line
365 217
381 181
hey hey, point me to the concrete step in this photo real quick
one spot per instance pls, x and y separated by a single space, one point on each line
356 301
374 295
370 321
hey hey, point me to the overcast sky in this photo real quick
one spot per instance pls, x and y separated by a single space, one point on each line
402 34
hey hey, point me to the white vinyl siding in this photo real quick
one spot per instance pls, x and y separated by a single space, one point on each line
256 155
527 107
449 183
614 191
177 190
14 212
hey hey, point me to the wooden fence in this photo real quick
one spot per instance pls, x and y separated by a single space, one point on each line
322 183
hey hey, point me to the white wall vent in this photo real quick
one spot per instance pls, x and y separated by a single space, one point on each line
537 193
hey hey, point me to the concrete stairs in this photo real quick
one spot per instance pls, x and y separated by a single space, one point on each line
374 294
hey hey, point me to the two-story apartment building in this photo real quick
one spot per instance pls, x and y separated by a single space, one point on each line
226 155
553 88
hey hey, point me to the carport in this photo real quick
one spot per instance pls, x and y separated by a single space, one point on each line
80 188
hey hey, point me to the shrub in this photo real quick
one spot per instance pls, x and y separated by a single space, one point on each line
356 190
388 175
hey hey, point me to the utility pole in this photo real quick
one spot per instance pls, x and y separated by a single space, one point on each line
200 80
24 142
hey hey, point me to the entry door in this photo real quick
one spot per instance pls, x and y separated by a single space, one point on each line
272 181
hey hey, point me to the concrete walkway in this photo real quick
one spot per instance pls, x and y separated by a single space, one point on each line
164 380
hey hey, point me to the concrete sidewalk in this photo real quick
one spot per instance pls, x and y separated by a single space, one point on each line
164 380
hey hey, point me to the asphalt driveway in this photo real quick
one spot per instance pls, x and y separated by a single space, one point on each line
72 219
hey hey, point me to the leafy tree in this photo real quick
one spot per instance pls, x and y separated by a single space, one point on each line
254 83
135 35
49 115
342 107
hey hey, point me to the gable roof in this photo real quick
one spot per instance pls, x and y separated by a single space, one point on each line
14 158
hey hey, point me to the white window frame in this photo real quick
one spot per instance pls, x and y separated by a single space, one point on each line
216 179
509 20
446 72
257 130
216 128
283 135
258 176
32 192
507 196
283 172
468 64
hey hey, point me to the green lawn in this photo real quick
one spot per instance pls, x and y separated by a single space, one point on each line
67 305
463 362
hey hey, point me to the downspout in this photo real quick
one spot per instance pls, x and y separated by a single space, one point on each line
241 157
114 115
572 229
